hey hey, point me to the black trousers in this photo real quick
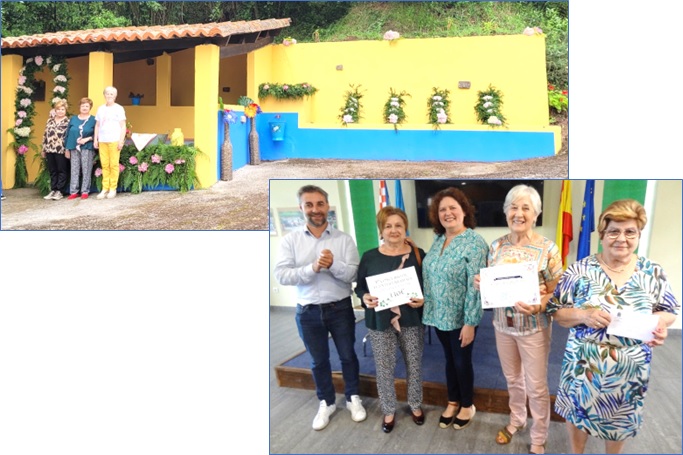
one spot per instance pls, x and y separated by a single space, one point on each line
59 167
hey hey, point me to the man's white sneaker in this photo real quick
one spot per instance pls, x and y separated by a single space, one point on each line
322 418
102 194
112 194
49 195
358 413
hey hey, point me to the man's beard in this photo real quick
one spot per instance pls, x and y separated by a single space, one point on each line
315 223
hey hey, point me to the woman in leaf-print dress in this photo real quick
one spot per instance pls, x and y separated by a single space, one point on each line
605 377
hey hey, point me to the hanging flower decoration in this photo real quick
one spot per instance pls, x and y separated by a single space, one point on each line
488 107
285 91
439 107
531 31
350 112
289 41
24 109
391 35
393 108
252 109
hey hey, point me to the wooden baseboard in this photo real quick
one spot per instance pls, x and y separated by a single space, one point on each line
433 393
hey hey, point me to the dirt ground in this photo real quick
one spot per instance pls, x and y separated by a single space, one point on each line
242 203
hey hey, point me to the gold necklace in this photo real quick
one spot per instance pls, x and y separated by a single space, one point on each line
602 261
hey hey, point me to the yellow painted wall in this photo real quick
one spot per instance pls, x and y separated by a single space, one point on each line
136 77
233 74
182 78
514 64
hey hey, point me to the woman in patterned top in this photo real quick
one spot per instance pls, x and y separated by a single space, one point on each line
395 327
452 304
523 330
54 152
605 376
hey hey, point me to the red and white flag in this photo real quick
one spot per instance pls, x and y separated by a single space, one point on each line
383 194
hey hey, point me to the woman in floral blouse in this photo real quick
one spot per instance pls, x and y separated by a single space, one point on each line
523 330
55 153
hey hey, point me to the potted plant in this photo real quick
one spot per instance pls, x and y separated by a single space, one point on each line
135 98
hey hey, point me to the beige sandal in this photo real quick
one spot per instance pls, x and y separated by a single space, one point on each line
542 446
504 436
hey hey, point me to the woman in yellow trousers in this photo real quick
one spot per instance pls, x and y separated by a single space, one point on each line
110 132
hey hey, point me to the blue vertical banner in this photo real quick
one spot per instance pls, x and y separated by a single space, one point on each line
587 221
399 199
399 196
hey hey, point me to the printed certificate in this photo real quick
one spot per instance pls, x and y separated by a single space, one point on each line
630 324
394 288
504 285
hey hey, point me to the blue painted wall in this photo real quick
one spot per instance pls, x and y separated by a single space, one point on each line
409 145
239 136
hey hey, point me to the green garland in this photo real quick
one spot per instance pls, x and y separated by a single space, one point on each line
439 107
24 109
350 112
285 91
393 108
488 107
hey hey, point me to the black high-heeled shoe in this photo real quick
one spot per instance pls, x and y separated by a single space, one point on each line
418 419
388 426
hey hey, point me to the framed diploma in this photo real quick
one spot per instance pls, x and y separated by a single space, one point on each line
394 288
504 285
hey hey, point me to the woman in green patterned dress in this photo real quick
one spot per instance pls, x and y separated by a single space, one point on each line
604 376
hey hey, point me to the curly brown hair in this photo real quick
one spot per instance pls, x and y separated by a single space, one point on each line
461 199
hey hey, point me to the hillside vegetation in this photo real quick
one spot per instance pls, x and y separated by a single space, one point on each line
313 21
369 21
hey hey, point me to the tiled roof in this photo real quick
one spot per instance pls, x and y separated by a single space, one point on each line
155 33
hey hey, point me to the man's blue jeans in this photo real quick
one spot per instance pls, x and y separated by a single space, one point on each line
315 323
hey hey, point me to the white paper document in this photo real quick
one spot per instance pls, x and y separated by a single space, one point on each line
394 288
628 323
504 285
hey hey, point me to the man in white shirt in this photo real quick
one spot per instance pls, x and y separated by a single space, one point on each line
322 262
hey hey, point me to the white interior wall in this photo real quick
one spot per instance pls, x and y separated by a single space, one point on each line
664 221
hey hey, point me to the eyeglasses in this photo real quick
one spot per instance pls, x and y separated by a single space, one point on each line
614 234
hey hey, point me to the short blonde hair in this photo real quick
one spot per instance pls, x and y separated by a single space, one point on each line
384 214
60 103
622 210
86 100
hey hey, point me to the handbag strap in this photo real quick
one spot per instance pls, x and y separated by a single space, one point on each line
417 255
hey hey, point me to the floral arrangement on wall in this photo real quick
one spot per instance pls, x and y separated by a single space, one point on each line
289 41
439 107
391 35
531 31
393 108
350 112
285 91
24 108
488 107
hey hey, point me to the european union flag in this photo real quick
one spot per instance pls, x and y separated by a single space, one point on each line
587 221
